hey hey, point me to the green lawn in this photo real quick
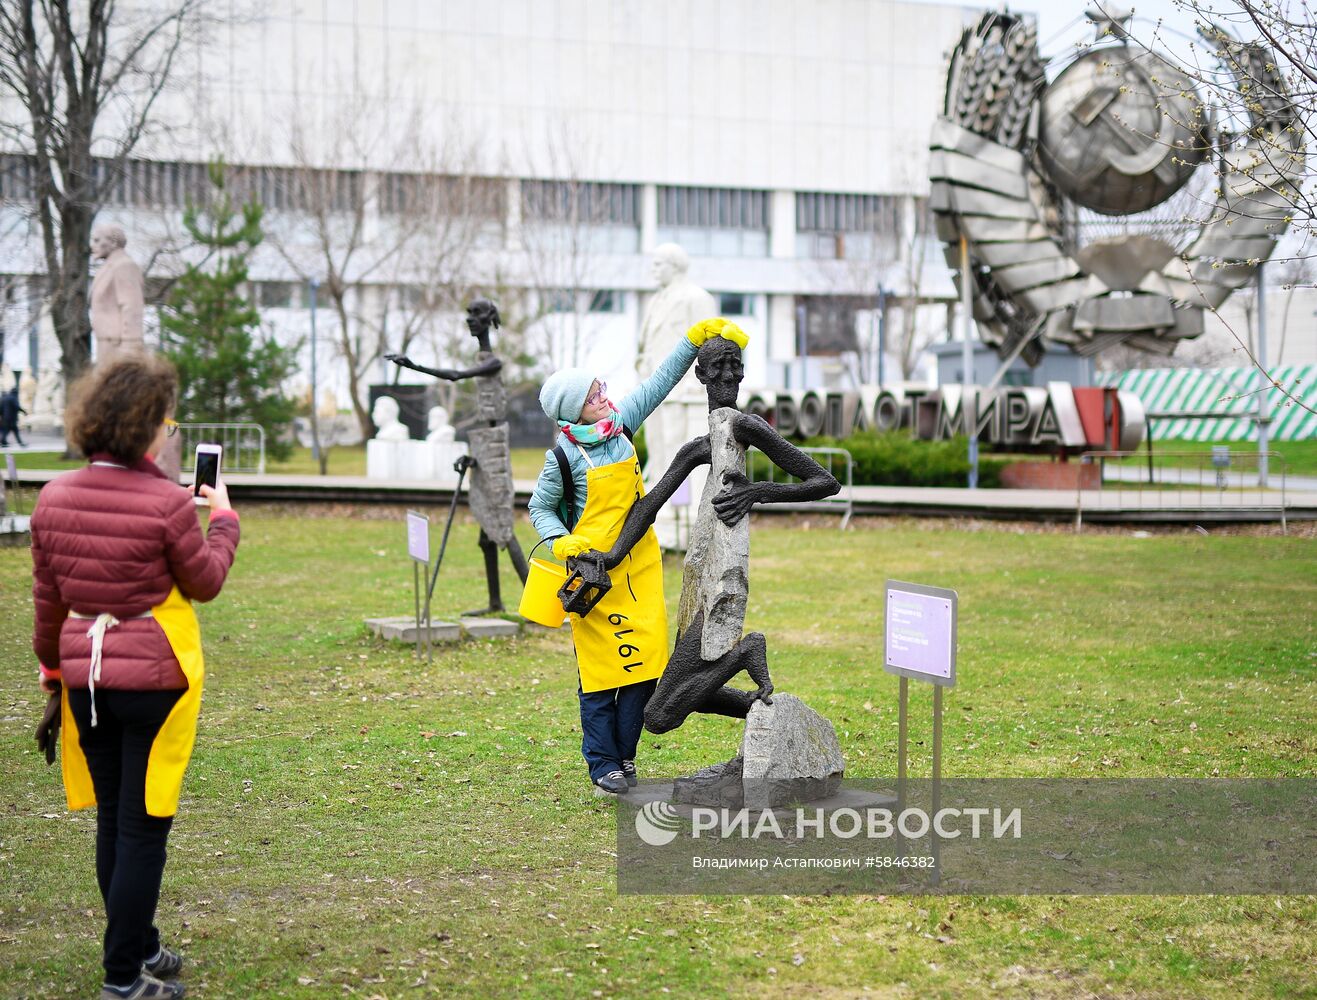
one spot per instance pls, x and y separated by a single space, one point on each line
358 824
1300 457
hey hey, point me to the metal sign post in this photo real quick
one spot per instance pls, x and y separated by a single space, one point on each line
920 639
418 549
11 469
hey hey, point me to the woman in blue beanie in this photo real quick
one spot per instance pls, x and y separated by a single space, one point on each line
590 480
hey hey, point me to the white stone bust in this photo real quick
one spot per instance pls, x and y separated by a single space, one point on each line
440 430
677 306
387 425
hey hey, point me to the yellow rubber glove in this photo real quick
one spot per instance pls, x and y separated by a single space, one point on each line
705 329
567 546
717 327
735 334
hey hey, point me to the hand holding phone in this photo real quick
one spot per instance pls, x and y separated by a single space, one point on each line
207 472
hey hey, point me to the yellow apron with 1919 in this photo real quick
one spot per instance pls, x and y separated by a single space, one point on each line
624 638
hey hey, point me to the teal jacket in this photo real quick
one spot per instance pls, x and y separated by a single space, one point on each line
546 503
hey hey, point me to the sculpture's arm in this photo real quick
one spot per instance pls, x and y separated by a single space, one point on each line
645 510
739 494
490 367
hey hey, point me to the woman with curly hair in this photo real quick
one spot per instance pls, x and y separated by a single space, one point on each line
118 557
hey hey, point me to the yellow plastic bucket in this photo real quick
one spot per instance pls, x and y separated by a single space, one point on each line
539 599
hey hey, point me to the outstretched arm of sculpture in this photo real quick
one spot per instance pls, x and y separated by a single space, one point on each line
739 494
490 367
643 513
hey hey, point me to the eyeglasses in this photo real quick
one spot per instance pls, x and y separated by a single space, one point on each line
171 426
598 396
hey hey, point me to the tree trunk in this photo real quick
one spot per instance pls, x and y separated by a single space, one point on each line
70 296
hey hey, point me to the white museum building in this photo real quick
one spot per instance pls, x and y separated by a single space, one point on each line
415 153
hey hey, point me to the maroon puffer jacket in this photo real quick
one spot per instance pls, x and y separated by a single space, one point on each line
109 538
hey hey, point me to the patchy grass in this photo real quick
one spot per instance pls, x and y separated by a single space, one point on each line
357 823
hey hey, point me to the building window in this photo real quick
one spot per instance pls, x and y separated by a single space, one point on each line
606 300
580 202
718 222
277 294
17 177
560 300
846 226
735 304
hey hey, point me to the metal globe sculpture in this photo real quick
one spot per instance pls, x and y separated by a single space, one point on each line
1121 130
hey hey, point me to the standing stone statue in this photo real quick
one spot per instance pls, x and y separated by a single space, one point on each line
710 648
490 461
678 305
117 297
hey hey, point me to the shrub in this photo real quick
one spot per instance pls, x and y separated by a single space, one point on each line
894 458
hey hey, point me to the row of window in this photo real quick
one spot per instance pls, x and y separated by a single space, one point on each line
707 221
296 295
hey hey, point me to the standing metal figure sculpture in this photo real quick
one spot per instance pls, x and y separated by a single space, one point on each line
710 648
491 493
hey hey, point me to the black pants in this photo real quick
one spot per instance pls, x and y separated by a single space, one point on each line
130 845
611 722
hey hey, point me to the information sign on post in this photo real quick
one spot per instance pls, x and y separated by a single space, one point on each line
920 633
418 537
418 548
919 639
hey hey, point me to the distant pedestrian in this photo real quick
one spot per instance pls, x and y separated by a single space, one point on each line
9 411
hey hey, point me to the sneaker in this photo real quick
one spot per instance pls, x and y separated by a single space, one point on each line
146 988
166 965
629 772
613 781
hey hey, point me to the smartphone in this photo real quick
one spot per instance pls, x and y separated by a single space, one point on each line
207 471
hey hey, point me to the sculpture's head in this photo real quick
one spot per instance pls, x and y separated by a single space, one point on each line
670 263
437 417
720 370
480 316
385 411
107 239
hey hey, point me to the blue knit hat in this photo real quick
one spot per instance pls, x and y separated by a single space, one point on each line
564 392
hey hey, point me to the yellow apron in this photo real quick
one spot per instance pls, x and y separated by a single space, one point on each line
624 639
172 747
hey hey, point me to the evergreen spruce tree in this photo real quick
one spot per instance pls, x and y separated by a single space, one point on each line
228 371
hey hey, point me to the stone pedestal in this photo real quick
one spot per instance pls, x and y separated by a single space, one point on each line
789 754
431 462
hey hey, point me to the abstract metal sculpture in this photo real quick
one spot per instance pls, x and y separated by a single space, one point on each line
1118 132
490 461
710 648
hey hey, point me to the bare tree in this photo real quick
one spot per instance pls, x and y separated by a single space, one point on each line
892 252
567 222
375 214
67 64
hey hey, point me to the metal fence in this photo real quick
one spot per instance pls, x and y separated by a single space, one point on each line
760 468
1217 481
243 444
